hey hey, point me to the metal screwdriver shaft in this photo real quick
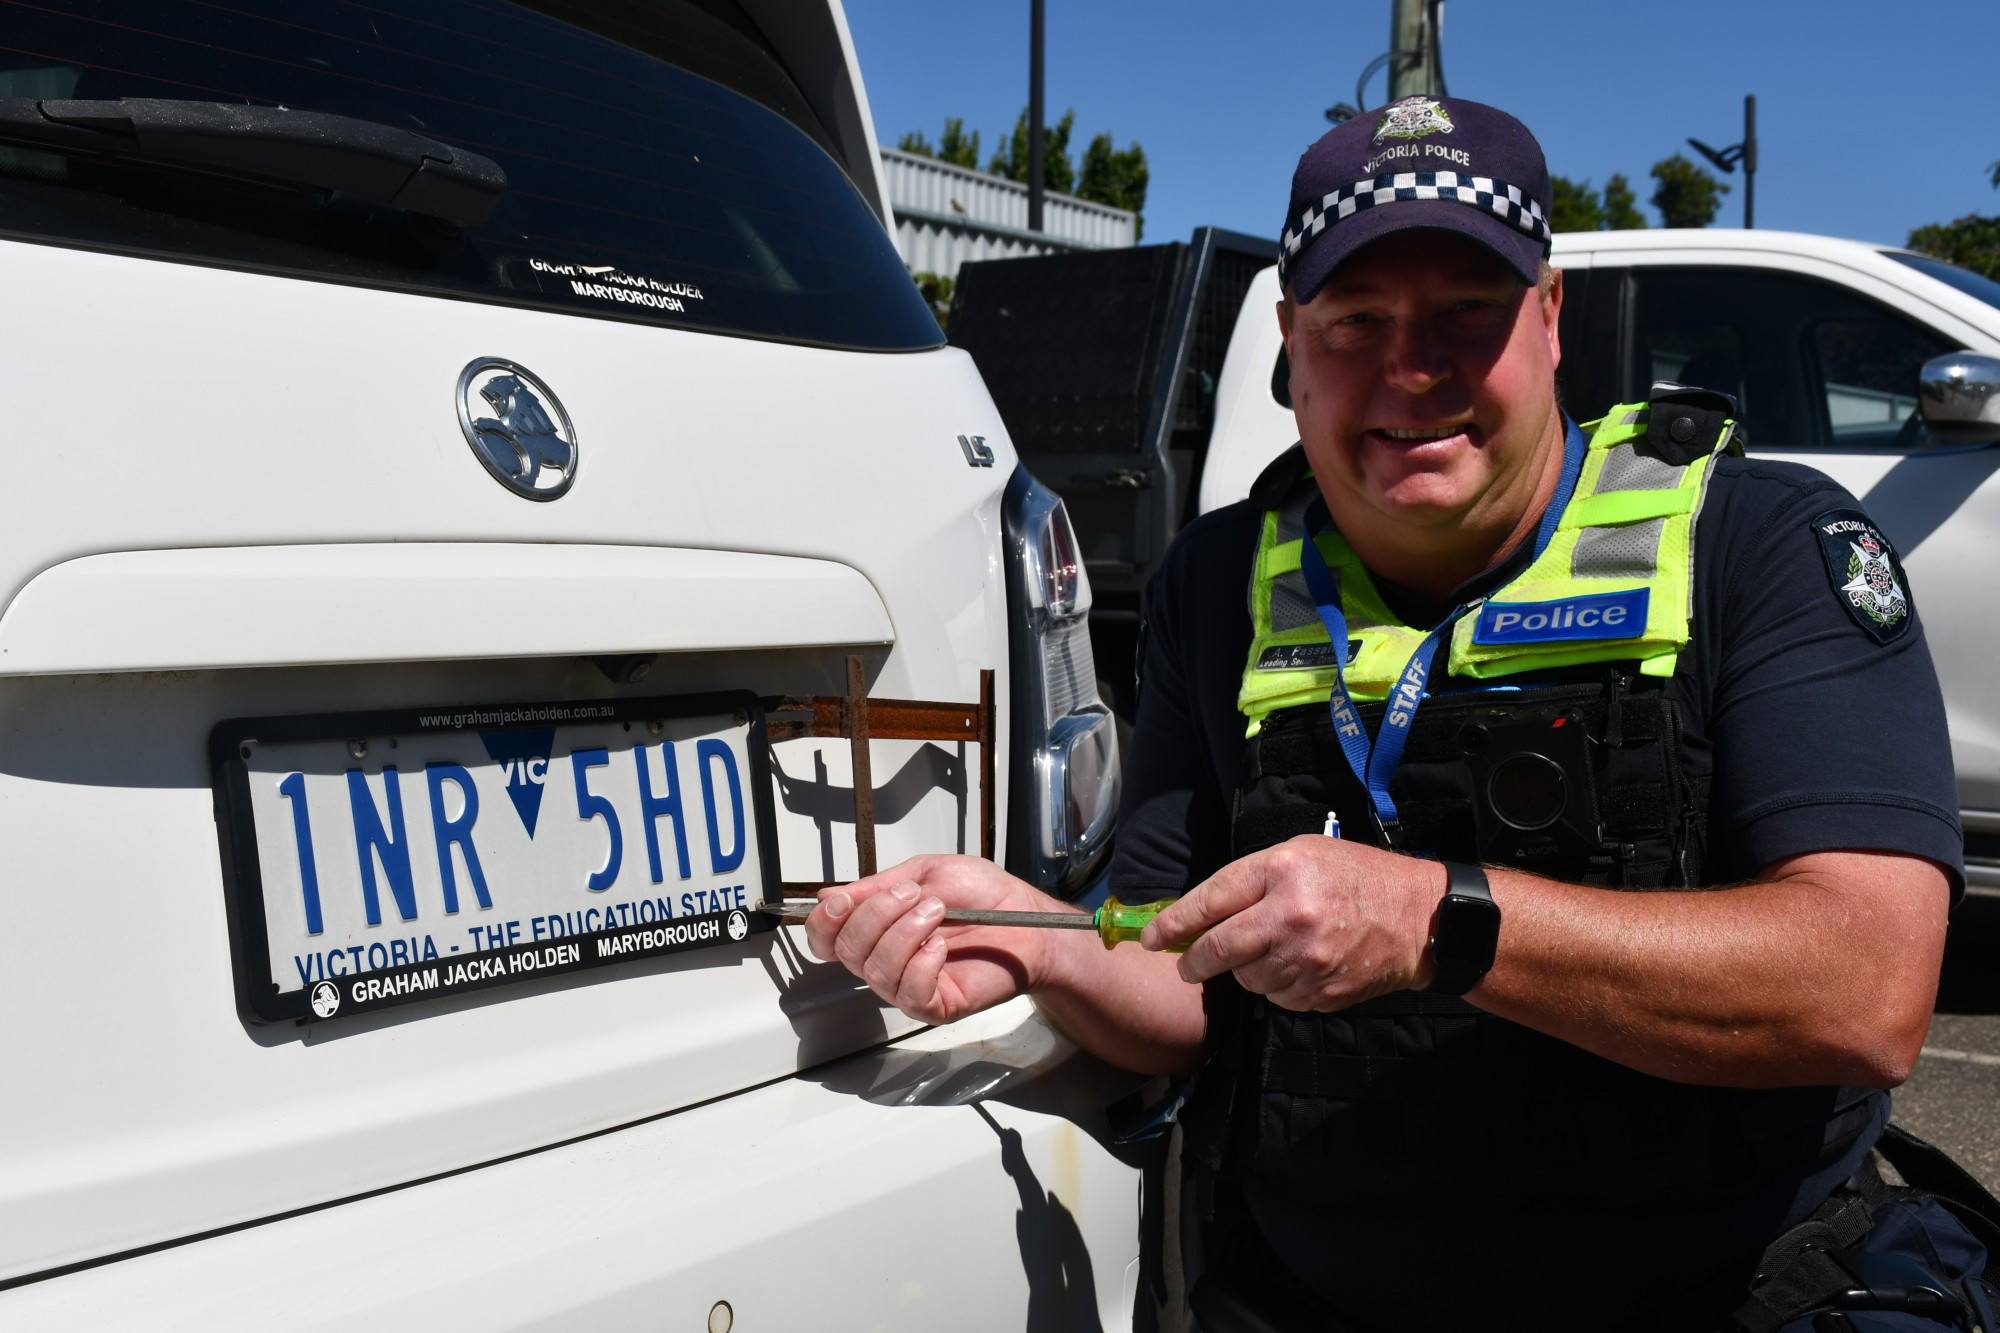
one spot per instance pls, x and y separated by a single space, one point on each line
1114 922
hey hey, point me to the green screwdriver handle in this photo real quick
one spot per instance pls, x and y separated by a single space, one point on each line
1118 921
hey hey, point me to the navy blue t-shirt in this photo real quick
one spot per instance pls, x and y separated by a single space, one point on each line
1820 737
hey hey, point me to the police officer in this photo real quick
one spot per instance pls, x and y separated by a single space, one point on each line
1562 820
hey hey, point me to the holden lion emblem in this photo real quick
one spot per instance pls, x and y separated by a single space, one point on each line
1413 118
517 428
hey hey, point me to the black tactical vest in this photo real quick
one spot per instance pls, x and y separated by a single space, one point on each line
1414 1094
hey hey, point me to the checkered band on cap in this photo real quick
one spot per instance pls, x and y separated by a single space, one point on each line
1510 203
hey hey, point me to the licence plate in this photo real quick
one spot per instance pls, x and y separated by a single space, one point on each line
380 858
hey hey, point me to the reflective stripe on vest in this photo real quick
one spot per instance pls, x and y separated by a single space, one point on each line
1614 585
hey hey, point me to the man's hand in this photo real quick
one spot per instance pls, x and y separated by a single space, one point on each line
1822 970
1313 924
1124 1005
887 929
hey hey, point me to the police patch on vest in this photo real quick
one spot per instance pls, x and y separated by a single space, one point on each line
1304 656
1867 577
1604 615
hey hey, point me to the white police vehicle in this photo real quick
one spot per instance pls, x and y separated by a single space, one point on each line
1844 355
488 509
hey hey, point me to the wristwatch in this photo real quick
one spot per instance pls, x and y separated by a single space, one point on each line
1465 932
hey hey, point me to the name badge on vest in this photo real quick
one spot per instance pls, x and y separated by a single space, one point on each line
1604 615
1304 656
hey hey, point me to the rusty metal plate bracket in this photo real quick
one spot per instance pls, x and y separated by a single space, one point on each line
860 719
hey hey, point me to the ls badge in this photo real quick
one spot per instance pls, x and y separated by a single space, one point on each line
517 428
1867 577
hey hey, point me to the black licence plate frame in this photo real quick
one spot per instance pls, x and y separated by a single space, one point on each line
261 1000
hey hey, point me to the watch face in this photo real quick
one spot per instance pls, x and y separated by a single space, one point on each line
1468 931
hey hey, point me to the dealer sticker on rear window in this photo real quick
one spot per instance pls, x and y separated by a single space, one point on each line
609 285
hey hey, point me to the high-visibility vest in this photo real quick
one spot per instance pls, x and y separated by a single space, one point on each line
1613 585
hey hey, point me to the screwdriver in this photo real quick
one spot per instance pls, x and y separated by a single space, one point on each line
1114 921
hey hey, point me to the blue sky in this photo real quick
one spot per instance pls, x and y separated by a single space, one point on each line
1872 118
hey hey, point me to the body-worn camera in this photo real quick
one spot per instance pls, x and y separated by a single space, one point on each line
1533 793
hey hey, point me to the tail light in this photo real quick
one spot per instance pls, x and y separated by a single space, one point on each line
1065 744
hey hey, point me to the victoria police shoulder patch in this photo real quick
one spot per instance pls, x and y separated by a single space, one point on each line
1867 578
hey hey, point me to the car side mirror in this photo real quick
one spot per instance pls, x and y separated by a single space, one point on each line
1958 396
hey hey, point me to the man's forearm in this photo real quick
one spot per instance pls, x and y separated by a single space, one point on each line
1824 972
1125 1005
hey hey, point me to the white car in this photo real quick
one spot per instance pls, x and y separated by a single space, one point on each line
1822 341
489 508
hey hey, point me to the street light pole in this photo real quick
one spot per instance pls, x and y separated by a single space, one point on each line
1415 58
1035 164
1749 160
1725 159
1413 37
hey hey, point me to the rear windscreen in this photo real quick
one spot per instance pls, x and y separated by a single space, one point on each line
662 165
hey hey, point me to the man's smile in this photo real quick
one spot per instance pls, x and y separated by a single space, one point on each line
1422 434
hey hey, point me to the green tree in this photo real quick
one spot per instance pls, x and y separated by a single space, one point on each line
1058 172
1621 206
1971 242
1686 195
1117 177
1577 207
1108 175
1580 208
955 147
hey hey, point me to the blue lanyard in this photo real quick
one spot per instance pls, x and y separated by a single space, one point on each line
1375 762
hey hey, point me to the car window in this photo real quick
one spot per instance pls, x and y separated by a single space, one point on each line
661 163
1964 280
1867 370
1811 365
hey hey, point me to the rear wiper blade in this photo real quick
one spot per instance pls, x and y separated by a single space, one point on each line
310 149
